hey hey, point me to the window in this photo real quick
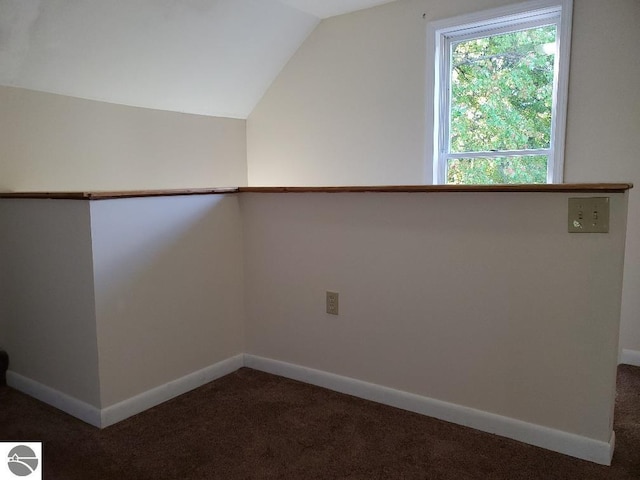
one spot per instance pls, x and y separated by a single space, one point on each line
500 89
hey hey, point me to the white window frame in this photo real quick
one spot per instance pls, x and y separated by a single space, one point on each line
441 33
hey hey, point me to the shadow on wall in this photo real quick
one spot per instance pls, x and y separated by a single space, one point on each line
169 289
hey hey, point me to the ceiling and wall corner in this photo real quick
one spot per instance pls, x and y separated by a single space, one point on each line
207 57
331 8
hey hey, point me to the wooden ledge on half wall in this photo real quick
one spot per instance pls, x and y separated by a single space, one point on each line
519 188
110 195
543 188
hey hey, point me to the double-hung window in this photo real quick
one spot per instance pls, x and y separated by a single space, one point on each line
500 94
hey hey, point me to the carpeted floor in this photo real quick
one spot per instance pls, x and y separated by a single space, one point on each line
251 425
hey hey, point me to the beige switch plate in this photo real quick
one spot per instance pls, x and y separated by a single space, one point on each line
589 215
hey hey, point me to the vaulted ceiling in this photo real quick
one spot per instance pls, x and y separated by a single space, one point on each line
331 8
210 57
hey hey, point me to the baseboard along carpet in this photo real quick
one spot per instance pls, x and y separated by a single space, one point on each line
254 425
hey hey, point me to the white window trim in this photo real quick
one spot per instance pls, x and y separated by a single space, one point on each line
436 31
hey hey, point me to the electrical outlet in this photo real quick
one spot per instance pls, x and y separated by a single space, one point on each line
332 303
589 215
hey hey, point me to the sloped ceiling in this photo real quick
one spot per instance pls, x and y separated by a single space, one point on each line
331 8
210 57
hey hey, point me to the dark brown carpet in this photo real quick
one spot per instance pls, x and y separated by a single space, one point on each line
251 425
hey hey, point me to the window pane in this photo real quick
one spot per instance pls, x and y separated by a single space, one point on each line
524 169
502 91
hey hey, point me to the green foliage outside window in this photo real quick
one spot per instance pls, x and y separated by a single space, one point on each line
501 99
478 171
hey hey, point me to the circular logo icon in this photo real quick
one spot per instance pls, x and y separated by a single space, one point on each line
22 461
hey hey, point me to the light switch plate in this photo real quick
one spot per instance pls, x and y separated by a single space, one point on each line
589 215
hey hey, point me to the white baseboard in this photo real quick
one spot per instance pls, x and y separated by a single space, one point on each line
156 396
127 408
630 357
567 443
77 408
556 440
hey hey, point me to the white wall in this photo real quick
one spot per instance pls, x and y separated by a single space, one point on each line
604 121
168 289
104 300
350 107
47 295
456 297
211 57
52 142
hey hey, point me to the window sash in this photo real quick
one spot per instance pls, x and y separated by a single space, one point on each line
500 153
512 18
